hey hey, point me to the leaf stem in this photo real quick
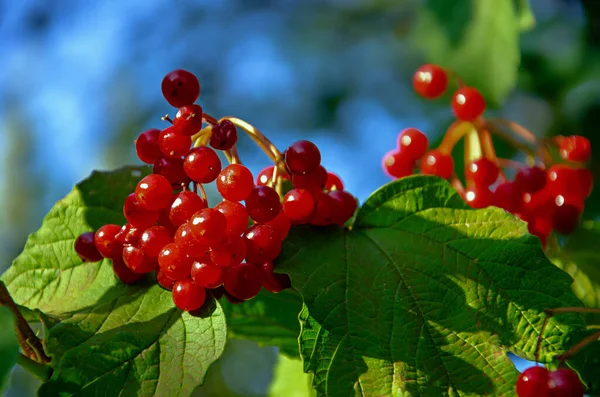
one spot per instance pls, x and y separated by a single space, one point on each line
29 342
572 351
41 371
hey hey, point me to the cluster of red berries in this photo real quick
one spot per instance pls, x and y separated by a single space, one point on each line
548 194
172 232
539 382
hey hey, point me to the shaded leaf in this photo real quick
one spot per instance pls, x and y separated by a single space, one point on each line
9 346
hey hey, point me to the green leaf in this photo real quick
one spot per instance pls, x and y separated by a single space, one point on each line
9 347
289 379
452 16
424 296
136 345
524 15
268 319
488 56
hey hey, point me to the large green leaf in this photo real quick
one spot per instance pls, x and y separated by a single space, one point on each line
488 55
424 296
289 380
9 347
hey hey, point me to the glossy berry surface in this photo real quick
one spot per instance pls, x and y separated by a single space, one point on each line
243 281
154 239
138 216
180 88
202 164
533 382
395 165
86 248
263 244
265 176
106 243
136 261
575 148
123 273
344 206
236 217
188 244
482 172
468 104
281 224
478 197
154 192
314 181
235 182
412 143
274 282
508 197
324 210
207 275
263 203
298 205
334 182
229 253
187 295
224 135
302 157
437 163
185 204
208 226
146 146
430 81
530 179
174 263
172 169
564 382
129 234
173 144
163 280
188 120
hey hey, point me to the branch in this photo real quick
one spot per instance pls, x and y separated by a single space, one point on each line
41 371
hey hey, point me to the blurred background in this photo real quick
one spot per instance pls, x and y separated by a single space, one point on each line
80 79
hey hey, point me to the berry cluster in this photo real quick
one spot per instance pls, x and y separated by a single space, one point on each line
547 191
172 232
539 382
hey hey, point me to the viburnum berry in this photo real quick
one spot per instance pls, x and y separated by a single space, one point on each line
174 263
468 104
565 179
334 182
223 135
163 280
564 382
185 205
86 248
412 143
281 224
478 196
136 215
263 244
172 169
395 165
265 176
541 227
314 181
154 192
188 120
180 88
136 261
129 234
344 206
154 239
298 205
243 281
302 157
533 382
483 172
202 164
236 217
123 273
263 203
530 179
188 244
188 296
208 226
508 197
235 182
437 163
274 282
228 253
430 81
106 243
586 181
173 144
146 146
574 148
324 210
207 275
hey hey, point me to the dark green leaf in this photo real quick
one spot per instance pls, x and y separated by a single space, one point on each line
452 16
424 296
9 347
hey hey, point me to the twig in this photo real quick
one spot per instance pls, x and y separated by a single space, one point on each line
41 371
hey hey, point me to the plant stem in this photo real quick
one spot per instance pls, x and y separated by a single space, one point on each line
29 342
572 351
455 133
259 138
41 371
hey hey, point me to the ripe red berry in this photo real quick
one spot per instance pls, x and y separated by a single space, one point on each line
564 179
188 244
188 296
564 382
235 182
224 135
265 176
586 181
344 206
229 253
174 263
302 157
138 216
123 273
324 210
263 244
173 144
243 281
236 217
430 81
479 197
566 215
530 179
172 169
154 239
541 227
281 224
482 172
136 261
207 275
437 163
298 205
412 143
263 203
395 165
202 164
180 88
208 226
185 205
468 104
106 243
154 192
333 182
86 248
508 197
533 382
188 120
129 234
274 282
314 181
146 146
163 280
575 148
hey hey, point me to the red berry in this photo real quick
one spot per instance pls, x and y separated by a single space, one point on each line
478 197
185 205
138 216
235 182
314 181
236 217
468 104
173 144
565 179
123 273
146 146
324 210
533 382
274 282
207 275
263 244
136 261
482 172
395 165
344 206
180 88
129 234
163 280
188 120
174 263
265 176
333 182
575 148
154 192
86 248
437 163
172 169
564 382
243 281
508 197
566 216
430 81
586 180
202 164
188 296
530 180
208 226
188 244
106 243
281 224
229 253
224 135
154 239
412 143
541 227
263 203
298 205
302 157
